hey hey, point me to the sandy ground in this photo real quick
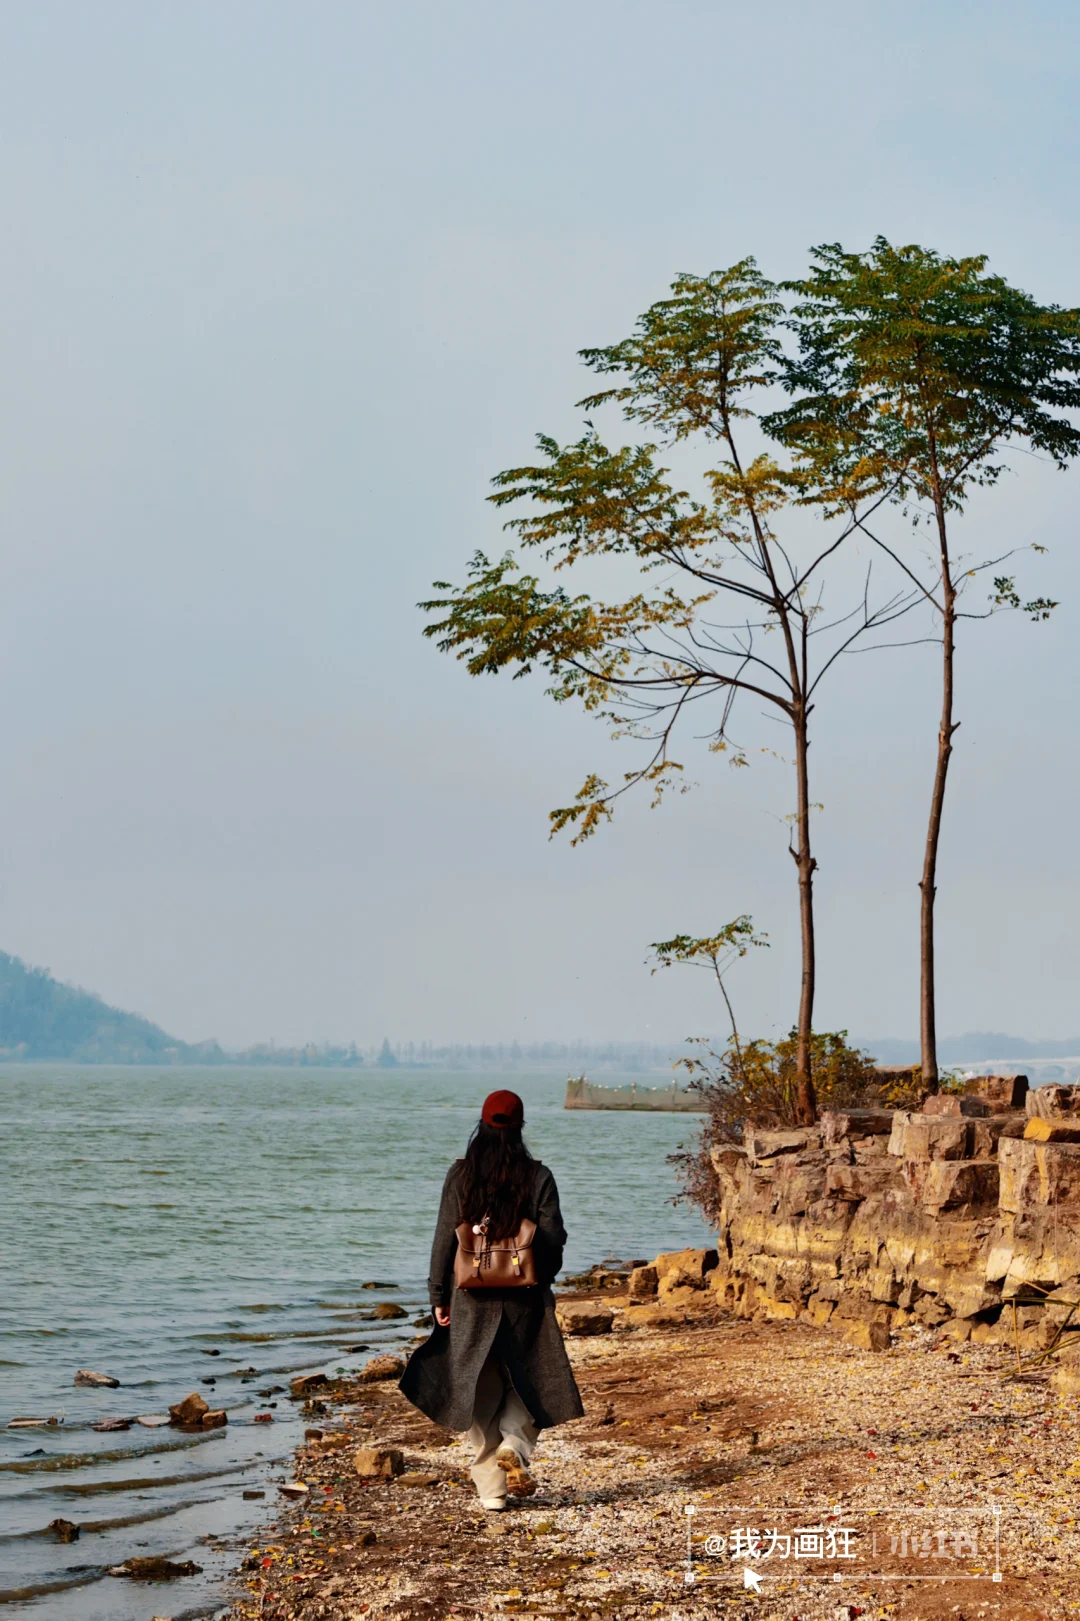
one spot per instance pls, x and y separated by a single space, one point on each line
767 1427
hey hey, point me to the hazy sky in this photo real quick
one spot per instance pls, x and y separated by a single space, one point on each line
281 287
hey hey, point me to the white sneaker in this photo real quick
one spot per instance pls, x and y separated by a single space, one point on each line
495 1504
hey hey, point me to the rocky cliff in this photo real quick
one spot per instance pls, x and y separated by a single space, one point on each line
873 1219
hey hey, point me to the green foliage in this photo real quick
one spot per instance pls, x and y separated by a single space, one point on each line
494 621
756 1084
714 951
696 356
696 363
1007 596
915 374
916 370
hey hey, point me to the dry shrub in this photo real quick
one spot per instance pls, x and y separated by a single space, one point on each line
754 1084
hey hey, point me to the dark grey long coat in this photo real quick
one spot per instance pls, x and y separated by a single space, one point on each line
519 1323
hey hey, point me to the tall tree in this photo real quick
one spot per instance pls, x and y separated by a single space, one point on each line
915 375
735 611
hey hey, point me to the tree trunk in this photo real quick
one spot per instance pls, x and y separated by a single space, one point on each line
806 1098
928 882
731 1015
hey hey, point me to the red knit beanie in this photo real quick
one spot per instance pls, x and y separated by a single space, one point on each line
503 1109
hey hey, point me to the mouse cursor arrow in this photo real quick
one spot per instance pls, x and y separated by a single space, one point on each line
750 1578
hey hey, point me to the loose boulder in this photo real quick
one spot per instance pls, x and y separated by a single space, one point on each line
64 1530
580 1317
956 1106
382 1367
643 1282
864 1324
190 1410
304 1383
390 1308
1054 1102
329 1443
686 1266
682 1295
380 1462
648 1316
1000 1091
215 1420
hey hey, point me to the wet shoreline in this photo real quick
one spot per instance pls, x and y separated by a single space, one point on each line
154 1216
58 1473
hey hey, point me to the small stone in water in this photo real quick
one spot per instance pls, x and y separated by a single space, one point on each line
155 1570
64 1530
253 1497
99 1381
293 1488
190 1410
109 1424
305 1382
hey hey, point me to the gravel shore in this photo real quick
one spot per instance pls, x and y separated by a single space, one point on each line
713 1415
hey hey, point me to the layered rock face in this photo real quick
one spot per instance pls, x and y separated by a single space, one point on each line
873 1219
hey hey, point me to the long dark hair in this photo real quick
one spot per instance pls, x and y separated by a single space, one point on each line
496 1178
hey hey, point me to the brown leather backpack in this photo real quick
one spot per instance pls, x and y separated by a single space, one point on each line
502 1263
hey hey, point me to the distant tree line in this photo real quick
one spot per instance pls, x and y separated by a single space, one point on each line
41 1018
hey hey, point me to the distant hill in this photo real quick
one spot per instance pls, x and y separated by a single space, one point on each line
977 1046
41 1018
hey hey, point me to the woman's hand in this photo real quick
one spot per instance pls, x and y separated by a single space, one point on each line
442 1316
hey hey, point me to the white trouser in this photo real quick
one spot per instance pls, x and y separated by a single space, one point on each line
500 1418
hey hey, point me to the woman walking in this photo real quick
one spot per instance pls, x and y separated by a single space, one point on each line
495 1364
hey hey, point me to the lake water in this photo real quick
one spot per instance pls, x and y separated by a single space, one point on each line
149 1217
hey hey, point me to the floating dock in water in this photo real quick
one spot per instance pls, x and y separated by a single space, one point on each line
583 1094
